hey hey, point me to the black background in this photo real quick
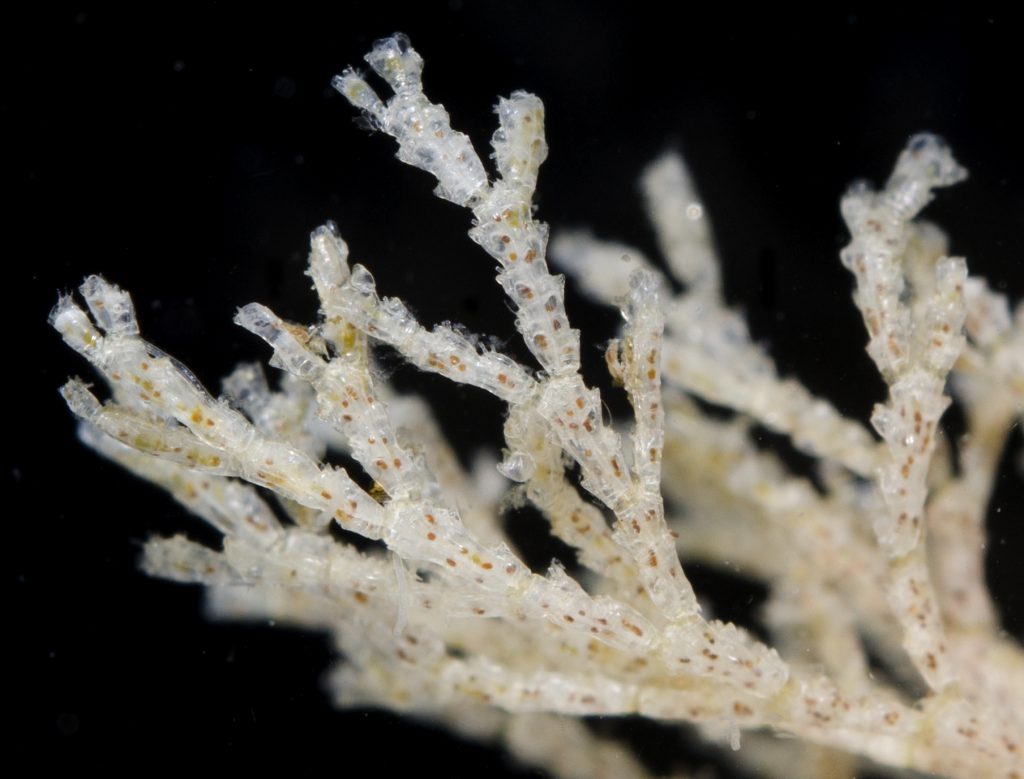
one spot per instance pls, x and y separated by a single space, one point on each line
186 155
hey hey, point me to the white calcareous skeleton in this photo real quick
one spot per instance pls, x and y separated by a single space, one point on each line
443 619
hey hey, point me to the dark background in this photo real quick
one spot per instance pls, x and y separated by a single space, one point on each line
186 155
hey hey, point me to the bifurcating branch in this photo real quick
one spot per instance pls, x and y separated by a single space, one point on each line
444 620
912 303
506 230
